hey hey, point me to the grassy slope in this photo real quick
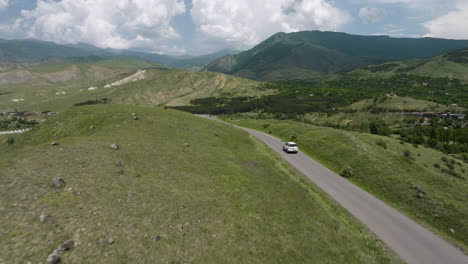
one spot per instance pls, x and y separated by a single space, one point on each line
392 103
159 88
61 75
225 198
437 67
400 103
387 173
178 87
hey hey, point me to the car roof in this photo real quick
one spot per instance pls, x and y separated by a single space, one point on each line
291 143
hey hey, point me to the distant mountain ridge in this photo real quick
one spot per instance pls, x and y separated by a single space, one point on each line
31 50
312 53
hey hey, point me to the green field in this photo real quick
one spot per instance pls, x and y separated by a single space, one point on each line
388 169
180 189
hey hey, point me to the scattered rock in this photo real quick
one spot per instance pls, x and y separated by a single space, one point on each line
115 146
156 238
120 171
44 217
421 195
92 127
101 241
186 145
59 182
418 188
54 143
451 230
134 114
111 241
70 244
54 258
135 118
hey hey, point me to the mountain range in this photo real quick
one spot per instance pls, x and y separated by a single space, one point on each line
313 53
32 50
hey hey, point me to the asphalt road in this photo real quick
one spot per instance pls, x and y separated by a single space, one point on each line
411 241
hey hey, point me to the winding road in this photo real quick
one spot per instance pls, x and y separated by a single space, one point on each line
411 241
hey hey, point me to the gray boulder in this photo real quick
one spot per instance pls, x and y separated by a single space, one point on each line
59 182
115 146
44 217
54 258
418 188
69 245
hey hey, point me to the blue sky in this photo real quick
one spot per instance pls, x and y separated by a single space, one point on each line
203 26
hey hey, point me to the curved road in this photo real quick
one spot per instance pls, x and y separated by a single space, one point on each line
412 242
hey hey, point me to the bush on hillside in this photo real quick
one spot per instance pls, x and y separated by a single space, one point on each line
382 143
347 171
10 141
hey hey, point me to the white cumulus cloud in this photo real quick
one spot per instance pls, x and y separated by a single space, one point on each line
4 4
451 25
244 23
117 24
371 14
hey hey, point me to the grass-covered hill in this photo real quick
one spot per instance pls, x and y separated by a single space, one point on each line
70 69
178 189
312 53
387 109
450 65
415 180
179 87
143 87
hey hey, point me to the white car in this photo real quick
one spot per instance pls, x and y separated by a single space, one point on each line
290 147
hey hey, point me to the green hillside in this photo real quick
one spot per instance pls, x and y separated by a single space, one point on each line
178 189
389 170
386 109
92 81
450 65
313 53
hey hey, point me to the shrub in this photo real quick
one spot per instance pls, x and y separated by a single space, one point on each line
437 165
450 166
382 143
10 141
407 153
347 171
444 159
266 125
452 161
453 174
293 137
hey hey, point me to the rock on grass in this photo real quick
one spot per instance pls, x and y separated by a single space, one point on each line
54 258
59 182
70 244
115 146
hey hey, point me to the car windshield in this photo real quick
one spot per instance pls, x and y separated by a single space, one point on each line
292 145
